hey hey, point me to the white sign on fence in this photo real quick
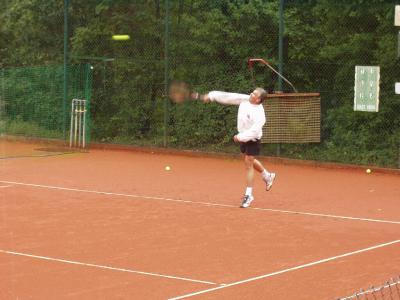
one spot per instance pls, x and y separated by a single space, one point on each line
366 88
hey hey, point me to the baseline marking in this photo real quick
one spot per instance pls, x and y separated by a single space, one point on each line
203 203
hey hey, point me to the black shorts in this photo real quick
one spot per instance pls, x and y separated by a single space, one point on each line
250 148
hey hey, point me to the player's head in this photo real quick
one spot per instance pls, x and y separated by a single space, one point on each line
258 96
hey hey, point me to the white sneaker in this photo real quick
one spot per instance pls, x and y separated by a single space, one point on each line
246 201
269 181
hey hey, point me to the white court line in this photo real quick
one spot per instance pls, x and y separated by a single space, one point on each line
285 270
5 186
103 267
201 203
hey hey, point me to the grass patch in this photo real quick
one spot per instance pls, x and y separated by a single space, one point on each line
18 127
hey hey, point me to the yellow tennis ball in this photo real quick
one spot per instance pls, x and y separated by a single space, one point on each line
368 171
167 168
120 37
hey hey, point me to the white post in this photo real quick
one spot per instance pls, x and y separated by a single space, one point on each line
72 123
75 123
84 123
79 122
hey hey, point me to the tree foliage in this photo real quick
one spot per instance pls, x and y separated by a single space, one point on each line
209 44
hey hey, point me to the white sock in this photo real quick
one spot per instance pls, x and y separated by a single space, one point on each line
265 174
249 191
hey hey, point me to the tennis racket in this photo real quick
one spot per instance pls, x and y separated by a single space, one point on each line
180 91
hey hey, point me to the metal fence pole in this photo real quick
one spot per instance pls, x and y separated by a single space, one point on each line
65 96
166 71
281 32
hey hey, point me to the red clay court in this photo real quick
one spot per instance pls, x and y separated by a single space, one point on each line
115 224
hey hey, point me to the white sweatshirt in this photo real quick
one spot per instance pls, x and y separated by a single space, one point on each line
251 117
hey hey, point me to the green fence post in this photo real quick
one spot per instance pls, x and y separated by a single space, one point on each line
166 70
281 32
65 96
88 95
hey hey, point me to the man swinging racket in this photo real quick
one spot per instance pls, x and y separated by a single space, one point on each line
250 120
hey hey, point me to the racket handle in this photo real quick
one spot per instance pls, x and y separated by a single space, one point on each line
200 97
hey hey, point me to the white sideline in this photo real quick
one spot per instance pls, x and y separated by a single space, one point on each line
202 203
285 270
103 267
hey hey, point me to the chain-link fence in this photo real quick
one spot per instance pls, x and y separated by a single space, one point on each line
32 102
207 44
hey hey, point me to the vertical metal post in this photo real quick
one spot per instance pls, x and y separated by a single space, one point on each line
88 95
398 163
78 127
76 122
166 70
84 124
65 96
281 33
72 123
80 119
2 113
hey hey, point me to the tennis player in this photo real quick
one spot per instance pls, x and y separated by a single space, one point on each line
250 121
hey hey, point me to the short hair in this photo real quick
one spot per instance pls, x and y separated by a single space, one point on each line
263 94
